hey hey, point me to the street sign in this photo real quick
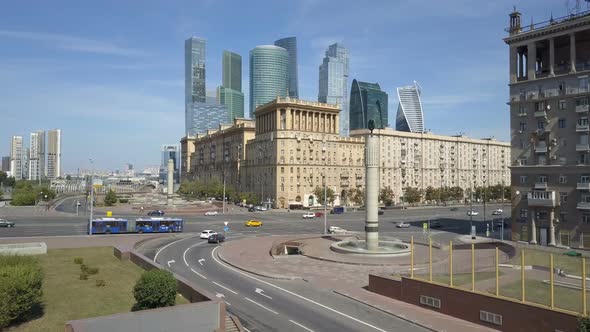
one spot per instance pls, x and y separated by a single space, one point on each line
225 229
225 223
424 227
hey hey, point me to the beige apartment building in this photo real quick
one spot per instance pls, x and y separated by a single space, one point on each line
549 91
420 160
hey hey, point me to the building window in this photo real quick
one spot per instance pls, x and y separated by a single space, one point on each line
542 215
522 110
586 217
562 179
540 106
561 105
522 126
561 123
490 317
430 301
542 179
562 197
540 124
583 84
524 213
523 179
291 170
282 170
562 216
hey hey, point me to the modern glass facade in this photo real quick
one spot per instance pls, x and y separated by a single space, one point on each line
290 44
170 152
232 71
410 116
203 116
268 75
233 101
194 70
333 82
367 102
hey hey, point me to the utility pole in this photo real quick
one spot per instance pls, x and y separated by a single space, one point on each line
325 204
223 206
91 197
502 214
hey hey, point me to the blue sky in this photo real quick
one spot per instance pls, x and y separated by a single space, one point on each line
110 73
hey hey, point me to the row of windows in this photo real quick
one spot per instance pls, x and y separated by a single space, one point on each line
562 179
544 215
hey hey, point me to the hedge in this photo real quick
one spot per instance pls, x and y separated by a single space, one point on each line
21 281
155 289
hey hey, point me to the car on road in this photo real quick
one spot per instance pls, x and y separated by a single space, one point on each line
251 209
497 212
454 208
211 213
402 225
156 213
206 233
380 212
6 223
336 230
253 223
319 214
472 213
216 238
435 225
260 208
309 215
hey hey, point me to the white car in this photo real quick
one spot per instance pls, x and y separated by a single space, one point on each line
402 225
211 213
336 230
497 212
309 215
206 233
472 213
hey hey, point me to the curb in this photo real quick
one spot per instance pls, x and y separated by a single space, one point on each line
271 276
428 327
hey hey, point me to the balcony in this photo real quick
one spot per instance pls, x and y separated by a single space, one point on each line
522 114
542 198
583 186
541 185
582 127
540 114
540 131
582 147
541 148
581 108
583 206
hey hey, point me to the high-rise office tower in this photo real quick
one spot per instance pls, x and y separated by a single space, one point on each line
37 155
290 44
230 93
53 153
549 84
16 157
6 164
410 116
268 75
171 151
333 82
25 163
194 77
367 102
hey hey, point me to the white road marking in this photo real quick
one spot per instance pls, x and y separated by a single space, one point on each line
260 305
197 273
259 291
227 303
189 248
247 329
164 247
227 289
294 294
201 261
303 327
219 295
171 261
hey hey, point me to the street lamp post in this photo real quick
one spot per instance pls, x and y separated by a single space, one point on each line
223 204
325 193
502 214
91 197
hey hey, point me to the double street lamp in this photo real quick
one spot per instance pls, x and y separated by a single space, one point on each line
91 196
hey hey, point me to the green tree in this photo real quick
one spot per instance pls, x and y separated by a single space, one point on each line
68 177
110 198
155 289
356 196
431 194
319 193
10 181
248 197
3 177
412 195
21 281
386 196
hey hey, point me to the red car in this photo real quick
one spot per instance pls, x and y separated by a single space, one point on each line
319 214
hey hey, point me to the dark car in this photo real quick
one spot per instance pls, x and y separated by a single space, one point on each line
156 213
435 224
252 209
380 212
454 208
6 223
216 238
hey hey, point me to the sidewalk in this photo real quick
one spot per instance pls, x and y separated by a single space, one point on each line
253 255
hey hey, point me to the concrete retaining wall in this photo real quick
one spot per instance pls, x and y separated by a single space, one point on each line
37 248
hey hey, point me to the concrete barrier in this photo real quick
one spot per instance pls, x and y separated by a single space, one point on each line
37 248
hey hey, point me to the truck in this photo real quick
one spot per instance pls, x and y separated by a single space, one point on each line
337 210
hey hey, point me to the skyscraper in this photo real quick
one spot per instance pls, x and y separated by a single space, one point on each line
16 157
194 78
37 155
171 151
333 82
410 116
53 153
367 102
230 93
290 44
6 164
268 75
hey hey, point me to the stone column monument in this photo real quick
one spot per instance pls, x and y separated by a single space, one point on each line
372 189
170 180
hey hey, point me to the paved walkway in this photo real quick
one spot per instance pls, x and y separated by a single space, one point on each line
253 255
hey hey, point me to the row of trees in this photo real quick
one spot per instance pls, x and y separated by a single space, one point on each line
214 188
29 193
445 194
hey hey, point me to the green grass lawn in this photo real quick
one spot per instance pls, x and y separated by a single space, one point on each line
462 280
571 265
66 297
538 292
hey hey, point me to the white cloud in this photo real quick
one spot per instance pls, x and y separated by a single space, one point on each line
72 43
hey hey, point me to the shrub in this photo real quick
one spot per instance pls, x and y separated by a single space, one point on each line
155 289
92 271
123 200
84 268
100 283
21 280
83 276
78 260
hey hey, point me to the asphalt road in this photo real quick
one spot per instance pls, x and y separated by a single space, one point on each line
269 305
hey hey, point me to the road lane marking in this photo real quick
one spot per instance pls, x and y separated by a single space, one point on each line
219 295
189 248
171 261
303 327
227 303
164 247
260 305
197 273
259 291
246 329
294 294
220 285
201 261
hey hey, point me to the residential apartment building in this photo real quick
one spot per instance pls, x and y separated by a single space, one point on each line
53 154
420 160
16 157
549 97
37 155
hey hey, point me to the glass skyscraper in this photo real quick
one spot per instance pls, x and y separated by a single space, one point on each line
268 75
290 44
367 102
333 82
410 116
203 116
230 93
170 152
233 101
194 70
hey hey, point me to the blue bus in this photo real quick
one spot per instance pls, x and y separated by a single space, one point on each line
140 225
